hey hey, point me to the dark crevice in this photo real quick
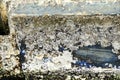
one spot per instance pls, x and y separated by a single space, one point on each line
22 52
4 28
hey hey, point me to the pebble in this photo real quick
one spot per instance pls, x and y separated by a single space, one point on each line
24 66
118 56
110 66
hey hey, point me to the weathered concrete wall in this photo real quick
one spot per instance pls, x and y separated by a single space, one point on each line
69 7
9 59
47 31
44 36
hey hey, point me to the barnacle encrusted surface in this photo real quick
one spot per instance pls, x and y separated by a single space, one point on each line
9 60
44 35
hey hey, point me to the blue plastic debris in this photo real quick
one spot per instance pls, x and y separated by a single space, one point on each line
22 52
89 65
80 63
61 48
77 63
22 56
83 64
22 45
22 48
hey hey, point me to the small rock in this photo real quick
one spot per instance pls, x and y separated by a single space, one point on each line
118 56
115 67
97 56
118 67
110 66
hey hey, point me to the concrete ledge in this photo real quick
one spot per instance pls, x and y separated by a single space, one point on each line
69 8
9 59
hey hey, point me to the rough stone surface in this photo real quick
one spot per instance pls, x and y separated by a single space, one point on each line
9 60
49 36
47 31
69 7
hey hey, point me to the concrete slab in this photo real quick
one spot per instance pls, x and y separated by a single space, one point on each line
46 25
68 7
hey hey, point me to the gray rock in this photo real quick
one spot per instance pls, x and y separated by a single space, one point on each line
96 55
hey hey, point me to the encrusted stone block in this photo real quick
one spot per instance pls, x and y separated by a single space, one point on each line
9 59
47 32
